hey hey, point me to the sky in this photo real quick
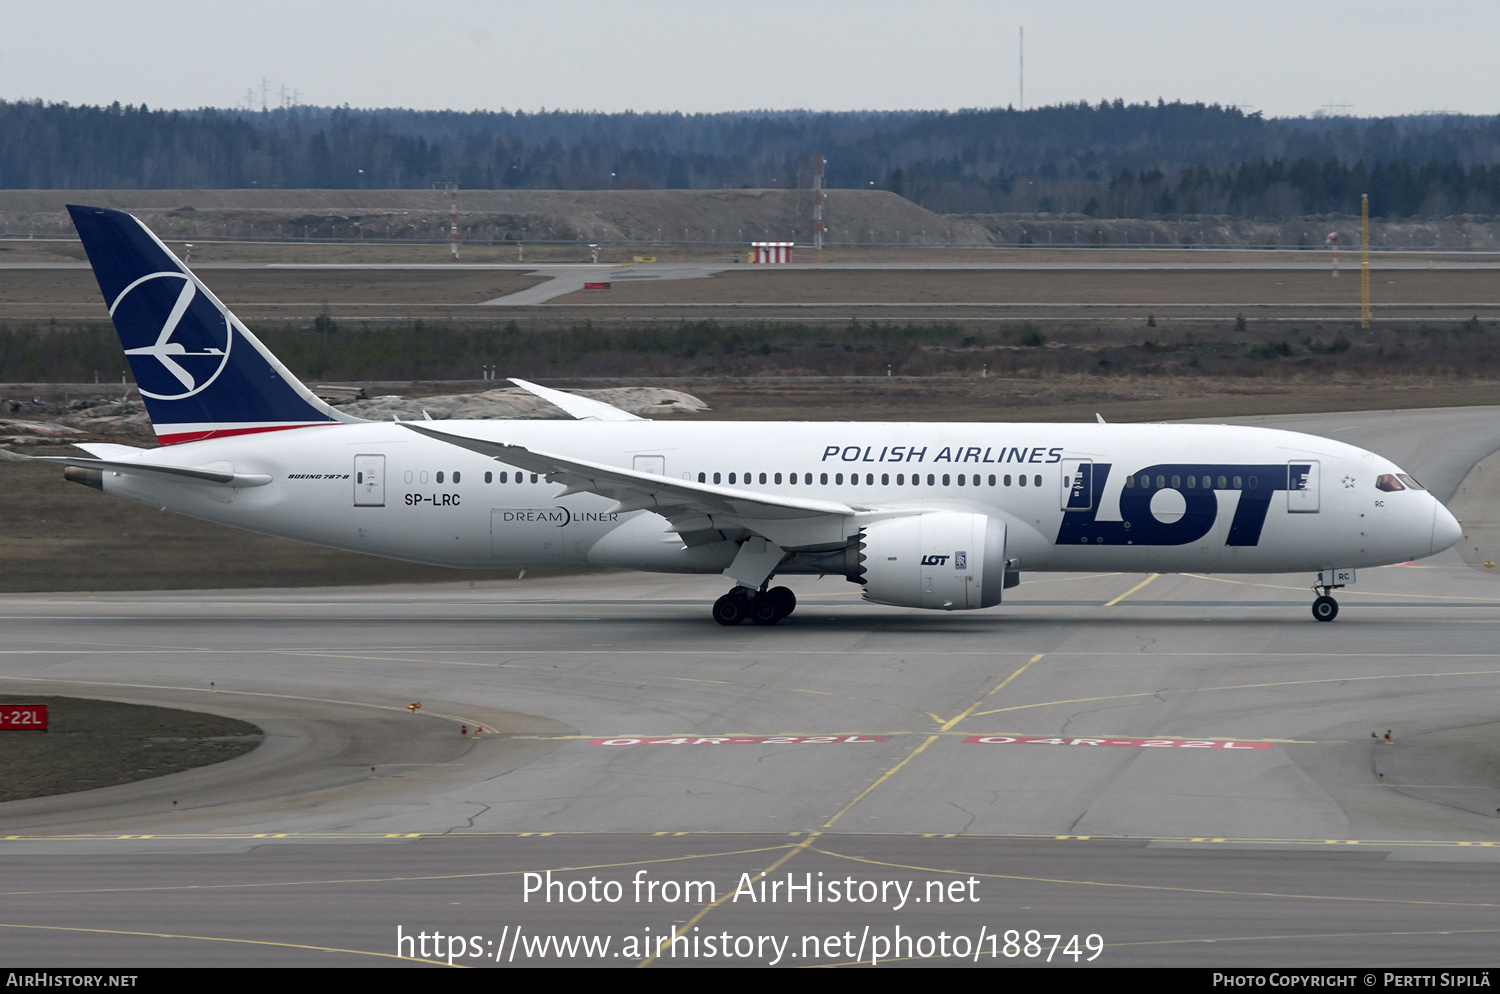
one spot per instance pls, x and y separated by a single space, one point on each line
1281 58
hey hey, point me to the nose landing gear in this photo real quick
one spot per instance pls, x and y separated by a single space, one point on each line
1325 608
765 607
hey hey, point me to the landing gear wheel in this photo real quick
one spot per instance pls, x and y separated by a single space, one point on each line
766 609
1325 608
730 609
785 598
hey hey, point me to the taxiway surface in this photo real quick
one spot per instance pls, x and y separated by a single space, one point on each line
1443 288
1181 765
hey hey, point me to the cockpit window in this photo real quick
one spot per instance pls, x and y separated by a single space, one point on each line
1389 484
1410 482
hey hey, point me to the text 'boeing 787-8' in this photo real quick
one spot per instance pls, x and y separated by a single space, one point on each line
941 516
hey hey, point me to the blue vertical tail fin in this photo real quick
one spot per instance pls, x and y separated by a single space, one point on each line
200 371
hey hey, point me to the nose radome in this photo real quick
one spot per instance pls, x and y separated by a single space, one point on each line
1445 527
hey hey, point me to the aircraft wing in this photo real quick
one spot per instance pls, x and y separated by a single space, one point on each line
582 408
694 509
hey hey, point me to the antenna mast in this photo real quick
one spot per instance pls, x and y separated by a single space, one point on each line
452 189
818 205
1364 260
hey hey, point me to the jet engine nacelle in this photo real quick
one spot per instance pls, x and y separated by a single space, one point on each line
944 560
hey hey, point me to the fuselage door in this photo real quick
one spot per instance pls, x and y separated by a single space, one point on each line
651 464
1077 485
1302 486
369 481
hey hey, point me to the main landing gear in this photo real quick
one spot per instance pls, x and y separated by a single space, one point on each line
765 607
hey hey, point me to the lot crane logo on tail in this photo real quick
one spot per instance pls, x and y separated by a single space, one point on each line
178 339
190 344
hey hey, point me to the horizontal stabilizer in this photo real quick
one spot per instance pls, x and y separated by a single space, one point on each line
132 468
111 450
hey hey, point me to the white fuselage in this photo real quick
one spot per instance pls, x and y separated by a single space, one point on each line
1072 496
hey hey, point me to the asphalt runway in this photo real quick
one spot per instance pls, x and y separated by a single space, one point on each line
1177 770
